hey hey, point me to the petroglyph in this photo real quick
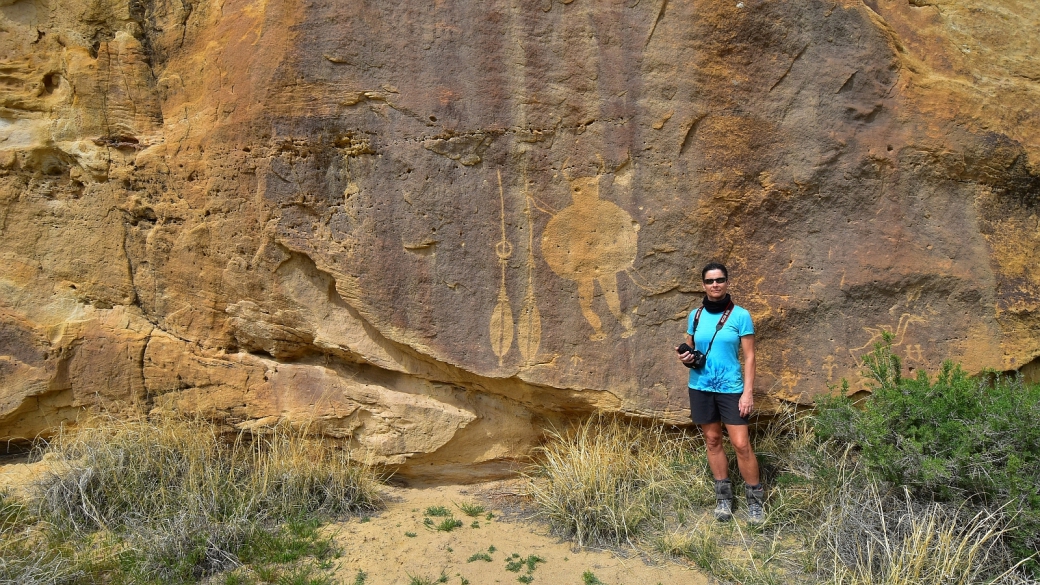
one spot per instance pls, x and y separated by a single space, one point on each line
529 329
914 351
588 242
828 364
915 354
898 336
501 326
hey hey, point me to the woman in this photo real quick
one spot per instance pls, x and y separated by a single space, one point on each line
721 391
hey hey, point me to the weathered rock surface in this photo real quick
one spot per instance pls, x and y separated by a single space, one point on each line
437 228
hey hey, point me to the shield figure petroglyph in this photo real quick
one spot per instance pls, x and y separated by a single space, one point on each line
588 242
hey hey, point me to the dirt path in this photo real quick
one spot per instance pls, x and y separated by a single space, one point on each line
385 550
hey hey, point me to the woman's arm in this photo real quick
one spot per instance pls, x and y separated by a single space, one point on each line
747 398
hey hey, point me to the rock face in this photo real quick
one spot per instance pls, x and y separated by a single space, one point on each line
437 228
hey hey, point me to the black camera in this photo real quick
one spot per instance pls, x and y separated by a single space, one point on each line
699 358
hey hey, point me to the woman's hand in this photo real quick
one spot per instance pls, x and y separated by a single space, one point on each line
746 403
685 357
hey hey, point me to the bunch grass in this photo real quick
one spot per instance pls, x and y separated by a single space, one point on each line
171 500
877 538
606 479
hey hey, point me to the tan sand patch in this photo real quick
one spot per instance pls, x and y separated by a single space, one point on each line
381 548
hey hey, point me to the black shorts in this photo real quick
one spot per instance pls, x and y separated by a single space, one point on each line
709 407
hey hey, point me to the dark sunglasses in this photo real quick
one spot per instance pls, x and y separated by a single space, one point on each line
720 280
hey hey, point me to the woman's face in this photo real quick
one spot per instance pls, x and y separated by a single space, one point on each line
716 290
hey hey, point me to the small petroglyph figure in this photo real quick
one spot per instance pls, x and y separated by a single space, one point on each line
588 242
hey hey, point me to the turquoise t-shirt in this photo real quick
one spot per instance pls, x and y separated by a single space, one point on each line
722 372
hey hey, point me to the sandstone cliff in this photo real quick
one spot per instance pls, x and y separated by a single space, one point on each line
437 228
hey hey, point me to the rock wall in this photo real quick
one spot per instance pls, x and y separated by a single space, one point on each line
438 228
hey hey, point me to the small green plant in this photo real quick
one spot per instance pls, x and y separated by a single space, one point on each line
304 575
475 524
360 578
427 521
267 574
515 562
472 510
410 534
525 578
463 581
588 578
438 511
480 556
365 519
532 560
449 524
236 579
492 549
489 516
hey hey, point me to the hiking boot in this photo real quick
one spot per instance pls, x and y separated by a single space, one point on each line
723 500
756 500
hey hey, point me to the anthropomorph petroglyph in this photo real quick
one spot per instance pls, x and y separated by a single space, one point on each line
588 242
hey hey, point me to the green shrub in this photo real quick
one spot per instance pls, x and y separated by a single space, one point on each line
953 438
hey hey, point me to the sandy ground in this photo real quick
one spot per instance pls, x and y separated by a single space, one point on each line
382 548
16 474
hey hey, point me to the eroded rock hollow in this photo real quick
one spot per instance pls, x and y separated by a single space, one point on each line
437 228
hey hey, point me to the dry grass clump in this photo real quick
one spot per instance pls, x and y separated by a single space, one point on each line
882 539
117 474
111 474
170 500
294 473
605 479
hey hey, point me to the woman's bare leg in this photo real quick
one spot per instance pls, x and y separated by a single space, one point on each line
716 454
746 460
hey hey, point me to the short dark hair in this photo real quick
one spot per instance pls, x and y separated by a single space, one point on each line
714 266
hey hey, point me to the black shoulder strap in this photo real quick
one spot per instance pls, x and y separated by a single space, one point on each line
725 315
722 322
